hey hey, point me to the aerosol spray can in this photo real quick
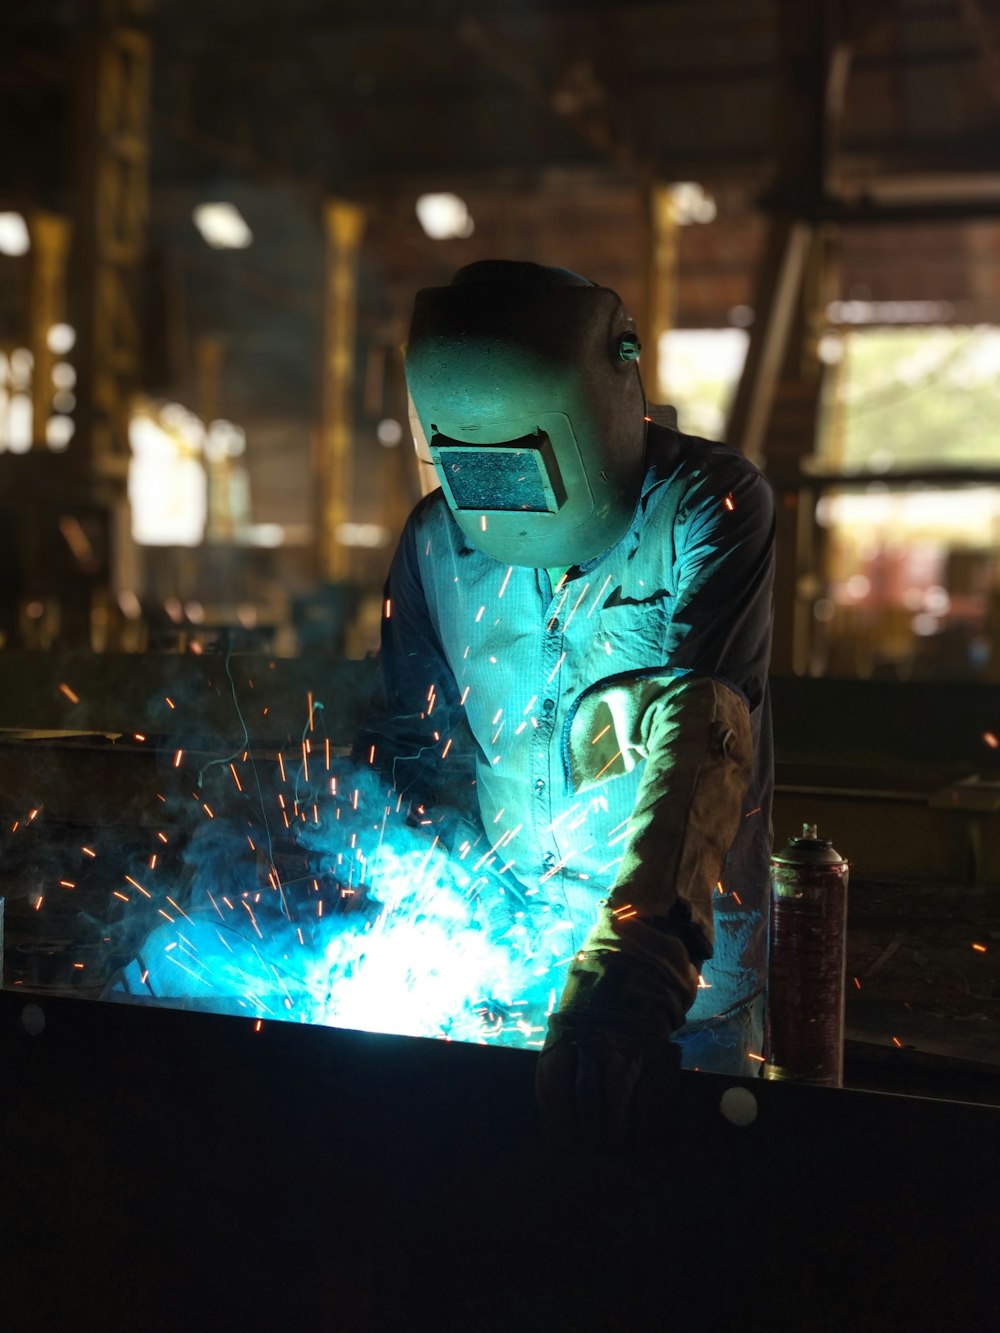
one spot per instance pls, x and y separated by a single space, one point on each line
805 1020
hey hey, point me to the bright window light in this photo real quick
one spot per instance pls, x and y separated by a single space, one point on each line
14 238
698 370
222 226
444 216
913 397
362 534
224 440
166 487
889 312
266 534
19 424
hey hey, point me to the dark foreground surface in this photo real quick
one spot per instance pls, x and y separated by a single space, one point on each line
166 1170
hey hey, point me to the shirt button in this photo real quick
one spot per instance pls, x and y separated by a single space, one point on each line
548 705
554 626
549 859
539 784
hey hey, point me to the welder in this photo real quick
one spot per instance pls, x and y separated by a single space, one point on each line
584 606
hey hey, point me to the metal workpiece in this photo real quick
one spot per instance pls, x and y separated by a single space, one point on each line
272 1175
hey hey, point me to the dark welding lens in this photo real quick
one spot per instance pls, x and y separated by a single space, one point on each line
516 475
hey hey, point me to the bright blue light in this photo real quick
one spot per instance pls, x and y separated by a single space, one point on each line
423 956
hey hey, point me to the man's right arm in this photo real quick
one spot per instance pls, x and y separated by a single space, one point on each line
415 731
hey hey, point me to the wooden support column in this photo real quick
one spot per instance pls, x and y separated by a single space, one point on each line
114 62
50 239
112 233
209 353
661 283
779 293
344 224
775 410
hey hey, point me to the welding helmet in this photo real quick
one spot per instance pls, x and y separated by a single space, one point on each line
525 390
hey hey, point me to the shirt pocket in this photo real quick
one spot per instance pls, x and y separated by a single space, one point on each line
632 632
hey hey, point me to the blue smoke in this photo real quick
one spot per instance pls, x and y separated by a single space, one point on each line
396 928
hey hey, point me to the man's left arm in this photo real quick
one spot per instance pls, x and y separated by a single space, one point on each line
637 973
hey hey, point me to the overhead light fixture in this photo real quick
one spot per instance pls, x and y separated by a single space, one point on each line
222 226
61 338
389 432
692 203
14 238
444 217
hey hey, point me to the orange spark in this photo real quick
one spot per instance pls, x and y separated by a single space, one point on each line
70 695
896 1041
991 740
177 758
162 837
136 885
236 778
728 502
602 732
857 983
87 852
444 752
207 810
139 737
281 765
67 884
387 613
309 697
170 702
258 1025
979 948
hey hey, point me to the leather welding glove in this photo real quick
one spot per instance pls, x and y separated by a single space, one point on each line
608 1045
636 975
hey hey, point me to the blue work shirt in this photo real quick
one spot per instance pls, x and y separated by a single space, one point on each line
491 659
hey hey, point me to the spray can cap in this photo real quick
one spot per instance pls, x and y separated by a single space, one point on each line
809 849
